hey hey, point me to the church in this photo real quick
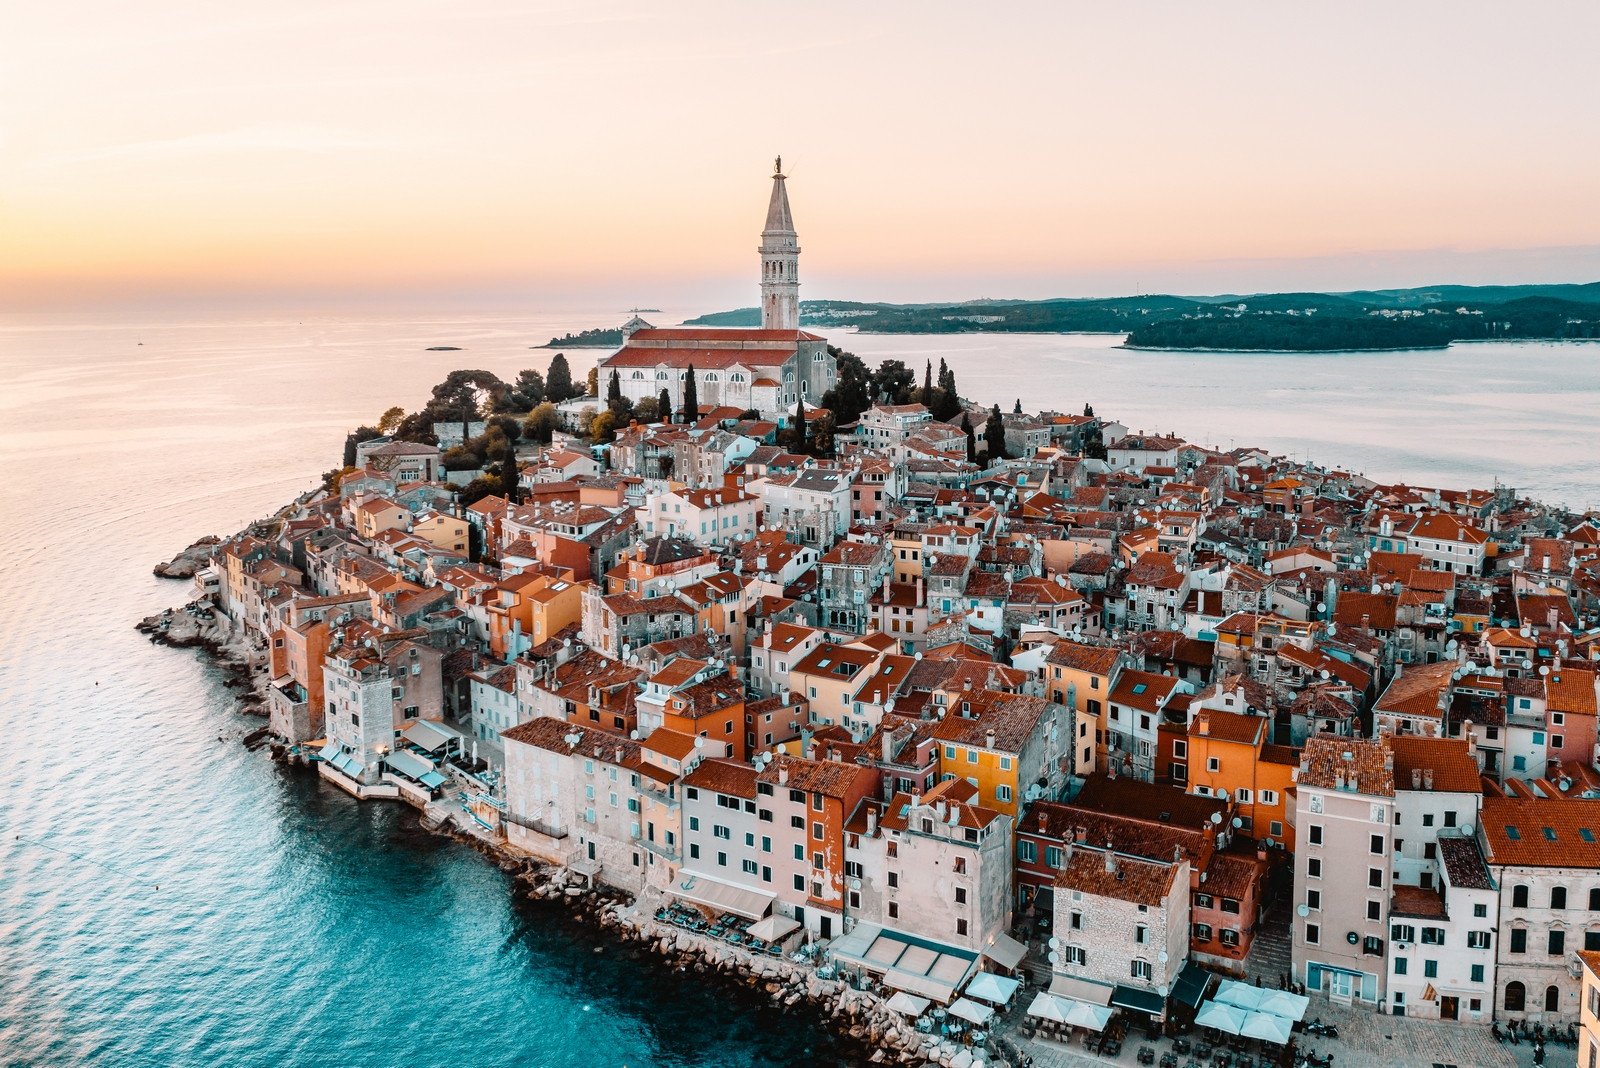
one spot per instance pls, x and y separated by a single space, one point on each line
768 369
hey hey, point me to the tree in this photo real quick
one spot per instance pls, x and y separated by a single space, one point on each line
664 406
646 411
893 381
391 419
616 402
972 440
994 436
362 433
1018 409
949 403
558 380
852 391
541 423
592 383
823 442
477 390
691 398
507 425
604 427
528 390
508 470
797 430
927 381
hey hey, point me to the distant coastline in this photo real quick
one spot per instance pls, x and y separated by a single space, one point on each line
587 339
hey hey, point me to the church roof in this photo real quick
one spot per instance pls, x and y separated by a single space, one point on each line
703 359
721 335
778 218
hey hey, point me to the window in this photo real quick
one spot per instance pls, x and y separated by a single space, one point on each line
816 832
1558 943
1433 936
1054 857
1372 946
1141 969
1313 899
1230 937
1180 749
1213 764
800 885
894 879
1427 819
1400 965
766 844
1376 846
1313 934
1202 901
1558 897
1202 932
1076 921
694 823
720 831
722 859
797 796
1519 897
1270 797
799 851
1516 997
749 866
694 850
1449 819
1430 969
961 928
1519 940
1027 852
1477 939
1230 905
797 822
1430 851
1375 911
1141 935
1477 973
1314 834
1313 868
816 861
894 909
1375 877
1077 955
1002 793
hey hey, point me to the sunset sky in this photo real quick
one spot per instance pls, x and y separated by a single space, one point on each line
584 154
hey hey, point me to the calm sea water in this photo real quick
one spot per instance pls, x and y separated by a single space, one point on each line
293 925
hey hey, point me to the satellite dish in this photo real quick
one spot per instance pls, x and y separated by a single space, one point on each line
1333 628
1303 910
1450 646
1162 956
783 747
1544 669
1162 990
1055 943
1527 664
634 735
1216 817
1237 823
1526 632
1325 673
1052 958
699 743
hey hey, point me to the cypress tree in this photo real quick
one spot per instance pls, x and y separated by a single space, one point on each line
972 439
691 399
994 436
558 380
664 403
798 434
614 389
508 471
927 384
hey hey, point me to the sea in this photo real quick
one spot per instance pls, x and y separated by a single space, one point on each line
168 898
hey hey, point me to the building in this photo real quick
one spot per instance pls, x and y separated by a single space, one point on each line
1344 816
1441 939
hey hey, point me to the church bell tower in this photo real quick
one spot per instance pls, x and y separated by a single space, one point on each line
780 261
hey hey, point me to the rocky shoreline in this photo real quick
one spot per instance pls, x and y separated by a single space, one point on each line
192 559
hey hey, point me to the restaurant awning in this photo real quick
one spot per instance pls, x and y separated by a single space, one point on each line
908 1004
1065 986
1190 986
408 764
971 1011
1005 951
773 928
433 780
995 989
907 962
704 890
329 751
426 734
1138 999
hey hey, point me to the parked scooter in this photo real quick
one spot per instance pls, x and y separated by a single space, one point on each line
1499 1036
1317 1027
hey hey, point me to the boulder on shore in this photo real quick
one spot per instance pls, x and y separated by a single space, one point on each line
186 563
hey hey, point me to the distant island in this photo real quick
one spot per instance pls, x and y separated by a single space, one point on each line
588 339
1431 317
444 348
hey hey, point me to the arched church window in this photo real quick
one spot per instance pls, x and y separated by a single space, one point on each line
661 376
710 376
638 376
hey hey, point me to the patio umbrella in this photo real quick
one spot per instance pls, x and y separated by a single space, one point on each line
1048 1007
909 1004
1282 1003
1229 1018
1267 1026
995 989
971 1011
1233 992
1094 1017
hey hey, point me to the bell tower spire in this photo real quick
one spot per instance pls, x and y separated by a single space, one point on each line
780 260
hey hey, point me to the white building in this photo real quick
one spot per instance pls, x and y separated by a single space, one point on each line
1441 941
1437 791
813 504
705 516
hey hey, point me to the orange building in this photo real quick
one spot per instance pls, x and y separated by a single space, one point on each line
713 710
1229 754
511 607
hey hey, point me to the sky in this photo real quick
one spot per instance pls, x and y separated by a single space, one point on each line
545 155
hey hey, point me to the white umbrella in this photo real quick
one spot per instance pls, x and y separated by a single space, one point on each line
1265 1025
995 989
1233 992
1282 1003
909 1004
1094 1017
1229 1018
1047 1007
971 1011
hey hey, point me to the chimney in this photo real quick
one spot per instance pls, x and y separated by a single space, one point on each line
783 774
1366 624
1555 618
1111 858
1388 760
1427 778
988 738
1338 780
916 798
1546 562
919 595
1355 783
1416 778
966 684
938 808
886 594
619 754
872 823
1202 724
888 745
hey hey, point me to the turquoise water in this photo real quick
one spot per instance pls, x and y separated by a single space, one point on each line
292 925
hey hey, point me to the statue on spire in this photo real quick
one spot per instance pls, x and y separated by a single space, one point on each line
777 166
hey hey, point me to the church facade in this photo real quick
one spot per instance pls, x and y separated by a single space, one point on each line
769 369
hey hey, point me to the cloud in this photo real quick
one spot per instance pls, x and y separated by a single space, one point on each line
262 137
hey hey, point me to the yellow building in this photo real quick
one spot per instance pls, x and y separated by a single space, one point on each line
558 605
378 515
1002 743
444 531
837 681
1082 677
1589 1010
907 555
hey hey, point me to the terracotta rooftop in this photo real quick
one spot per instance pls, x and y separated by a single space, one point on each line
1323 759
1141 882
1544 833
1415 902
724 777
1229 727
827 777
1416 693
1453 770
1148 801
1463 863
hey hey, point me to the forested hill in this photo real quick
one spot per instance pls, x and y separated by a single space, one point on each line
1379 319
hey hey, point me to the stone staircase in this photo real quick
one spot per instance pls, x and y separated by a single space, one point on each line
1270 954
